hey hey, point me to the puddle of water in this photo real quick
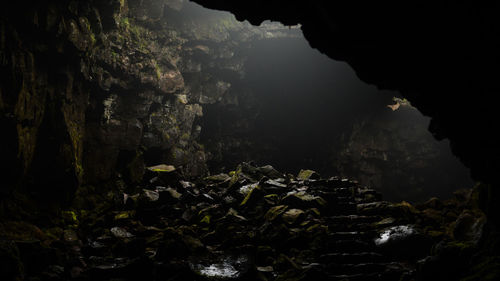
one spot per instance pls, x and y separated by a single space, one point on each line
228 268
394 233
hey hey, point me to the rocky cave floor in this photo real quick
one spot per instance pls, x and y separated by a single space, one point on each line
253 223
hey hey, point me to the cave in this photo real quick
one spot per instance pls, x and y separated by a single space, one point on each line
249 140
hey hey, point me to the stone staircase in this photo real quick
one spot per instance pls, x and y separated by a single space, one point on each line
350 252
247 227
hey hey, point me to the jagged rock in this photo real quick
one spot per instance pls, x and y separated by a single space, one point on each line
290 233
168 194
291 216
125 215
162 168
385 222
265 268
70 236
469 227
433 203
307 175
119 232
275 212
218 178
254 193
149 195
276 183
11 267
270 172
302 199
232 214
403 241
247 188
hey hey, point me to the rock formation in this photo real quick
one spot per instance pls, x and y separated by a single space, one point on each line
93 92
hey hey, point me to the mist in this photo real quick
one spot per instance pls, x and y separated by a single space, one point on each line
295 108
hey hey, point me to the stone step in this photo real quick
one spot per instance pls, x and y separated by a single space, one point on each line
366 277
356 268
352 258
350 235
373 208
341 208
365 227
352 219
366 269
334 191
349 246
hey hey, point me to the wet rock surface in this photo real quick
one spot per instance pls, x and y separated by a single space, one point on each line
253 223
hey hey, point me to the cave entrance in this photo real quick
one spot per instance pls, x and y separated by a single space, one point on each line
271 98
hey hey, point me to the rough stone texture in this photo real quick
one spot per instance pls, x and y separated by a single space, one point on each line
94 90
393 152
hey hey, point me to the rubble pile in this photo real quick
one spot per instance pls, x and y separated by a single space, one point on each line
253 223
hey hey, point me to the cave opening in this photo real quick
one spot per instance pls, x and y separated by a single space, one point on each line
293 108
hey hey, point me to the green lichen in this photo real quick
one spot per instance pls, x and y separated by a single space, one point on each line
206 219
125 215
70 218
157 69
274 212
125 23
93 40
235 176
305 174
249 196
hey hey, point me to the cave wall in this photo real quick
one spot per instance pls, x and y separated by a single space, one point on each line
93 91
393 152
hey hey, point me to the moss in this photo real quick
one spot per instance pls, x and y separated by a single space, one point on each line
162 168
206 219
70 218
235 176
157 69
274 212
125 23
124 215
93 40
305 174
249 195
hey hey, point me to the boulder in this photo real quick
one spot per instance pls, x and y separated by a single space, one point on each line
291 216
404 241
302 199
307 175
119 232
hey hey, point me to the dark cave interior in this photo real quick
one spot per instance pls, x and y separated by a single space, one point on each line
269 140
